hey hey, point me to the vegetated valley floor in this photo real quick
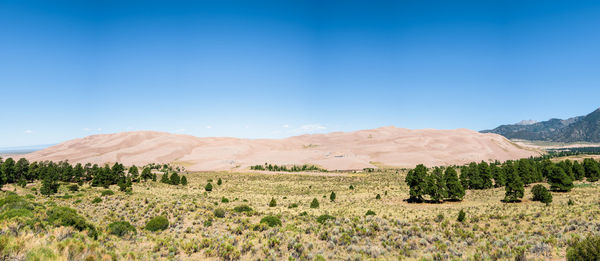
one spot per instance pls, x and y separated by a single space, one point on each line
492 229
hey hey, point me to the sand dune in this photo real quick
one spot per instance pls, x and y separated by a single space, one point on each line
388 146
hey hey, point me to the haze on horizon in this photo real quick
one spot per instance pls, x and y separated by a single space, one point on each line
271 69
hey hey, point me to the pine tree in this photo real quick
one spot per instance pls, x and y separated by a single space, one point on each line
455 189
8 171
592 171
175 179
416 180
578 171
436 185
219 182
314 203
21 169
499 176
332 196
559 180
272 203
475 180
485 174
540 193
147 174
165 178
208 187
133 173
49 181
184 180
514 185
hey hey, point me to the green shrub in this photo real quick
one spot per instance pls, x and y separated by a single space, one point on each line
293 205
73 187
64 216
323 218
14 201
370 213
183 180
540 193
208 187
219 182
157 223
242 208
272 203
378 196
96 200
121 228
332 196
314 203
351 187
586 249
224 200
107 192
461 216
219 212
271 221
14 213
570 202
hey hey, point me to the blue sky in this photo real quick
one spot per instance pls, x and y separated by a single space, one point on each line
270 69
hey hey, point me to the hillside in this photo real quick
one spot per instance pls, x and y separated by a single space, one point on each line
388 146
576 129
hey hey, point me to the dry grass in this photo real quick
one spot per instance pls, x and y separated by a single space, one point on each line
398 230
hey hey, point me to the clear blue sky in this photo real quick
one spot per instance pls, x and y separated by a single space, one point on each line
279 68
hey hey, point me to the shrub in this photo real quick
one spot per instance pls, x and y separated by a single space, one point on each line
208 187
570 202
461 216
121 228
96 200
224 200
271 221
73 188
351 187
332 196
378 196
219 212
15 213
293 205
272 203
242 208
64 216
107 192
157 223
540 193
323 218
370 213
587 249
314 203
219 182
184 180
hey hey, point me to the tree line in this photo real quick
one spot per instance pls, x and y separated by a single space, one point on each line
51 173
293 168
439 183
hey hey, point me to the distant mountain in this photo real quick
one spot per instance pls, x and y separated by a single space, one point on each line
576 129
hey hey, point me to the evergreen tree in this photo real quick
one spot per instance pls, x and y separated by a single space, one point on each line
578 171
208 187
2 177
165 178
567 167
78 172
147 174
184 180
8 171
499 176
514 185
475 180
416 180
314 203
332 196
219 182
49 180
464 177
485 174
133 173
21 169
592 171
524 172
175 179
436 185
455 189
559 180
540 193
272 203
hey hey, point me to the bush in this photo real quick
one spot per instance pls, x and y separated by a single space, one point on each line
271 221
378 196
587 249
332 196
208 187
184 180
323 218
570 202
461 216
224 200
314 203
107 192
293 205
64 216
370 213
157 223
121 228
96 200
242 208
272 203
351 187
540 193
219 212
73 188
15 213
219 182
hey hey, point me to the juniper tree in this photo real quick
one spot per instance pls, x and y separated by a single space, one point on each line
455 189
416 180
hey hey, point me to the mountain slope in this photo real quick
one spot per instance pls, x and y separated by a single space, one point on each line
576 129
335 151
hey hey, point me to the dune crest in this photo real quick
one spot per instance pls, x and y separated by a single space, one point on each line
388 146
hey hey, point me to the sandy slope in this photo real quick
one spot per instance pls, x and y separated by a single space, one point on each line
389 146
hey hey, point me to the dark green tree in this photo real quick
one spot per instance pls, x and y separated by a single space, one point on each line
8 171
416 180
540 193
499 176
485 174
578 171
21 169
436 185
208 187
559 180
175 180
592 171
165 178
146 174
455 189
332 196
184 180
219 182
133 172
475 180
514 185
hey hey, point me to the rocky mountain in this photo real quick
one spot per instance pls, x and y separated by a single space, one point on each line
577 129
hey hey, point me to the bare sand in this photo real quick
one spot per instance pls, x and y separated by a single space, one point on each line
388 146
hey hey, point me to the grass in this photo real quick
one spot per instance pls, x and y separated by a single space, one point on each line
399 230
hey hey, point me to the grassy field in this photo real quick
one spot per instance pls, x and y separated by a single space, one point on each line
398 230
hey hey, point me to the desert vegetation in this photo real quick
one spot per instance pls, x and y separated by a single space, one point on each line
297 216
292 168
